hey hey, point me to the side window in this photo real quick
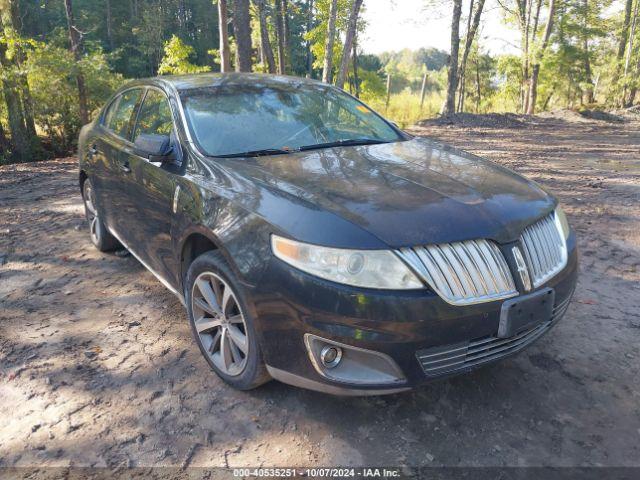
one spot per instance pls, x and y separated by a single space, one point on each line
155 115
108 116
120 121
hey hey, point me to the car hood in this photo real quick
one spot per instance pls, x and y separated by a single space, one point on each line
407 193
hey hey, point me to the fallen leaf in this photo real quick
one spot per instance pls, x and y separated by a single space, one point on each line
588 301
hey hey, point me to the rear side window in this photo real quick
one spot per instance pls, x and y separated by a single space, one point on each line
155 115
120 121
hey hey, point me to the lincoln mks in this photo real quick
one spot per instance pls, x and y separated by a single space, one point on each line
314 242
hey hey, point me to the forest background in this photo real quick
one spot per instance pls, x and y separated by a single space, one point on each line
61 59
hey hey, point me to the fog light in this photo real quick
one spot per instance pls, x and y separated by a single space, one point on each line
345 363
331 356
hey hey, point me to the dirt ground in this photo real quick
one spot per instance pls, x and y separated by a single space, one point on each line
98 367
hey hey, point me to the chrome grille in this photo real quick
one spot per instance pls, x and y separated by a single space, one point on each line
462 273
466 355
544 248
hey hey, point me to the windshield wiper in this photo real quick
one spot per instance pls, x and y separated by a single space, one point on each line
343 143
257 153
283 151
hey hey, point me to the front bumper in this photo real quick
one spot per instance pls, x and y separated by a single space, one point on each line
407 327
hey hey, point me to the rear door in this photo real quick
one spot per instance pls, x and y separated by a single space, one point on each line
155 187
116 176
97 156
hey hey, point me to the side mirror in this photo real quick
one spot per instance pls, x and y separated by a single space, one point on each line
156 148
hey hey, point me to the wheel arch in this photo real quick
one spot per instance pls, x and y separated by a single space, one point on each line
197 241
82 177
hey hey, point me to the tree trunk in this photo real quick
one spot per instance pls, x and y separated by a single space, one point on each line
622 45
528 19
524 6
461 72
44 22
287 35
532 34
634 21
27 103
223 32
4 143
535 72
356 81
11 21
628 101
634 89
327 70
533 89
588 97
596 83
452 78
76 48
478 87
21 145
134 11
242 32
309 27
632 96
348 43
267 51
109 25
20 139
546 102
471 33
281 40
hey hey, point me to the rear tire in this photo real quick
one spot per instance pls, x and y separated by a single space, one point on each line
98 232
222 324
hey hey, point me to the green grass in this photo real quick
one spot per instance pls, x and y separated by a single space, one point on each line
404 108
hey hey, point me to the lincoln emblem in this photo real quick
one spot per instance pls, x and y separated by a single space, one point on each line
522 268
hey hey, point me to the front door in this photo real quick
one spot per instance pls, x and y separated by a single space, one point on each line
155 187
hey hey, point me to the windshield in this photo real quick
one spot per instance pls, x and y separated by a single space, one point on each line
248 119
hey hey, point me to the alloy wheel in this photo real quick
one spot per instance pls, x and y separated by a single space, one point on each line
220 323
92 213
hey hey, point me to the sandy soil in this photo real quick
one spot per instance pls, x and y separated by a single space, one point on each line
98 367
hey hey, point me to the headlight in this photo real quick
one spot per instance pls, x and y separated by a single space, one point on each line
361 268
561 221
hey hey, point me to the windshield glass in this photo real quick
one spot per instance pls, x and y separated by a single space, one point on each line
233 119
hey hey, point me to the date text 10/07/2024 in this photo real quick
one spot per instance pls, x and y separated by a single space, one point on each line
363 472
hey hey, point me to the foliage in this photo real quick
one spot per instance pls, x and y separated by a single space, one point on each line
430 58
317 36
51 73
373 63
404 108
372 85
480 88
176 59
140 38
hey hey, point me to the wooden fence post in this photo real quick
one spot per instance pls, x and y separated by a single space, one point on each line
388 90
423 91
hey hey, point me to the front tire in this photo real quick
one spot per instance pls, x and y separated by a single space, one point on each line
222 324
100 236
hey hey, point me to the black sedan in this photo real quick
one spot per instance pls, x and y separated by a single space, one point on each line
313 242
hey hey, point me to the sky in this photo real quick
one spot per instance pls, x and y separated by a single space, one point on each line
398 24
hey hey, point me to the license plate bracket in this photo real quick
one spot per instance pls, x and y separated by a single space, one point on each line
525 312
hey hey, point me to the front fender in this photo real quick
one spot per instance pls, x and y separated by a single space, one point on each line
242 237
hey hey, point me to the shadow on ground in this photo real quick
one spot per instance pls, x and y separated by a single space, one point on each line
98 368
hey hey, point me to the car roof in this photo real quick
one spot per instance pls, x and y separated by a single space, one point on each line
203 80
